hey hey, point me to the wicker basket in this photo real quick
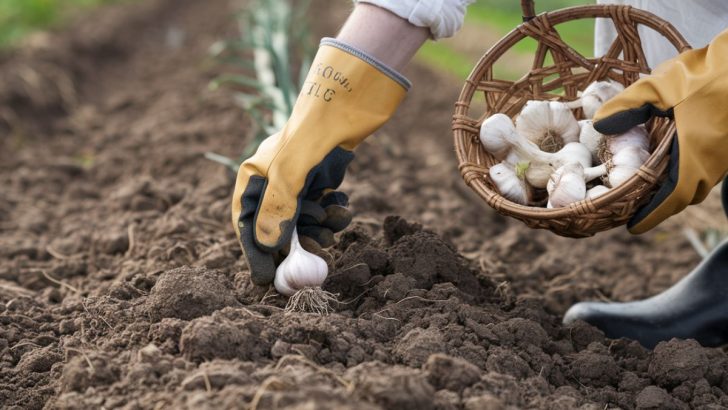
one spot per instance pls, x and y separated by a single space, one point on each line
569 73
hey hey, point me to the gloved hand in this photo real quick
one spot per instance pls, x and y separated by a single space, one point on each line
347 96
692 88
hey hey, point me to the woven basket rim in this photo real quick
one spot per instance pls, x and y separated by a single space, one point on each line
650 171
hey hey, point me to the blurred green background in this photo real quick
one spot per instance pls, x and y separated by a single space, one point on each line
18 18
486 22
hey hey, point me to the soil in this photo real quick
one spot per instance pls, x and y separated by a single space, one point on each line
122 285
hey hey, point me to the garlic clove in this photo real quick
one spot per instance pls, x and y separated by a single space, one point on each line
548 124
567 185
509 185
300 269
538 174
494 133
596 191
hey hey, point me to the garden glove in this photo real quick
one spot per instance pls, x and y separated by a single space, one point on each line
692 88
347 95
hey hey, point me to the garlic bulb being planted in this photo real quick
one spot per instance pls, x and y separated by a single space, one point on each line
300 276
548 124
595 95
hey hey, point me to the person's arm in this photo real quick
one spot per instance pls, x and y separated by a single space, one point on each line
382 34
353 87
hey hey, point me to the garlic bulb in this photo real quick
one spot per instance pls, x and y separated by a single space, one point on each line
634 137
625 164
595 95
548 124
493 135
596 191
566 185
300 269
509 184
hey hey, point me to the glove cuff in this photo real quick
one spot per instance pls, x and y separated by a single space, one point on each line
371 60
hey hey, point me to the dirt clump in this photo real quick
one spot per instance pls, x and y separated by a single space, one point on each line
187 293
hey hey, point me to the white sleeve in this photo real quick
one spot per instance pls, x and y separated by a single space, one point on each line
443 17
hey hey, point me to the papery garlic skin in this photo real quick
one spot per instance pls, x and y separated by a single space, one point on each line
538 174
566 185
575 152
596 94
509 185
634 137
596 191
300 269
548 124
591 138
625 164
494 134
513 158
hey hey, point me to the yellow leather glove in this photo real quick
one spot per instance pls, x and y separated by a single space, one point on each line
347 96
692 88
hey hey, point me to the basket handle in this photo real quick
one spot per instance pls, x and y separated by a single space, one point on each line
529 10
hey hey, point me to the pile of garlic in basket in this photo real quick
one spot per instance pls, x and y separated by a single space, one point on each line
549 149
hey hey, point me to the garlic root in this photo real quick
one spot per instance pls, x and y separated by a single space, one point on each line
312 300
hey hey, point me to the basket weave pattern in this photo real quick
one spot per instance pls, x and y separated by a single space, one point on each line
561 80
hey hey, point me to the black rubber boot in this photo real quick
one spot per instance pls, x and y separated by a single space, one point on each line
694 308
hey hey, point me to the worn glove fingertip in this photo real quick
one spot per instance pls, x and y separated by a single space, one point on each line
337 218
